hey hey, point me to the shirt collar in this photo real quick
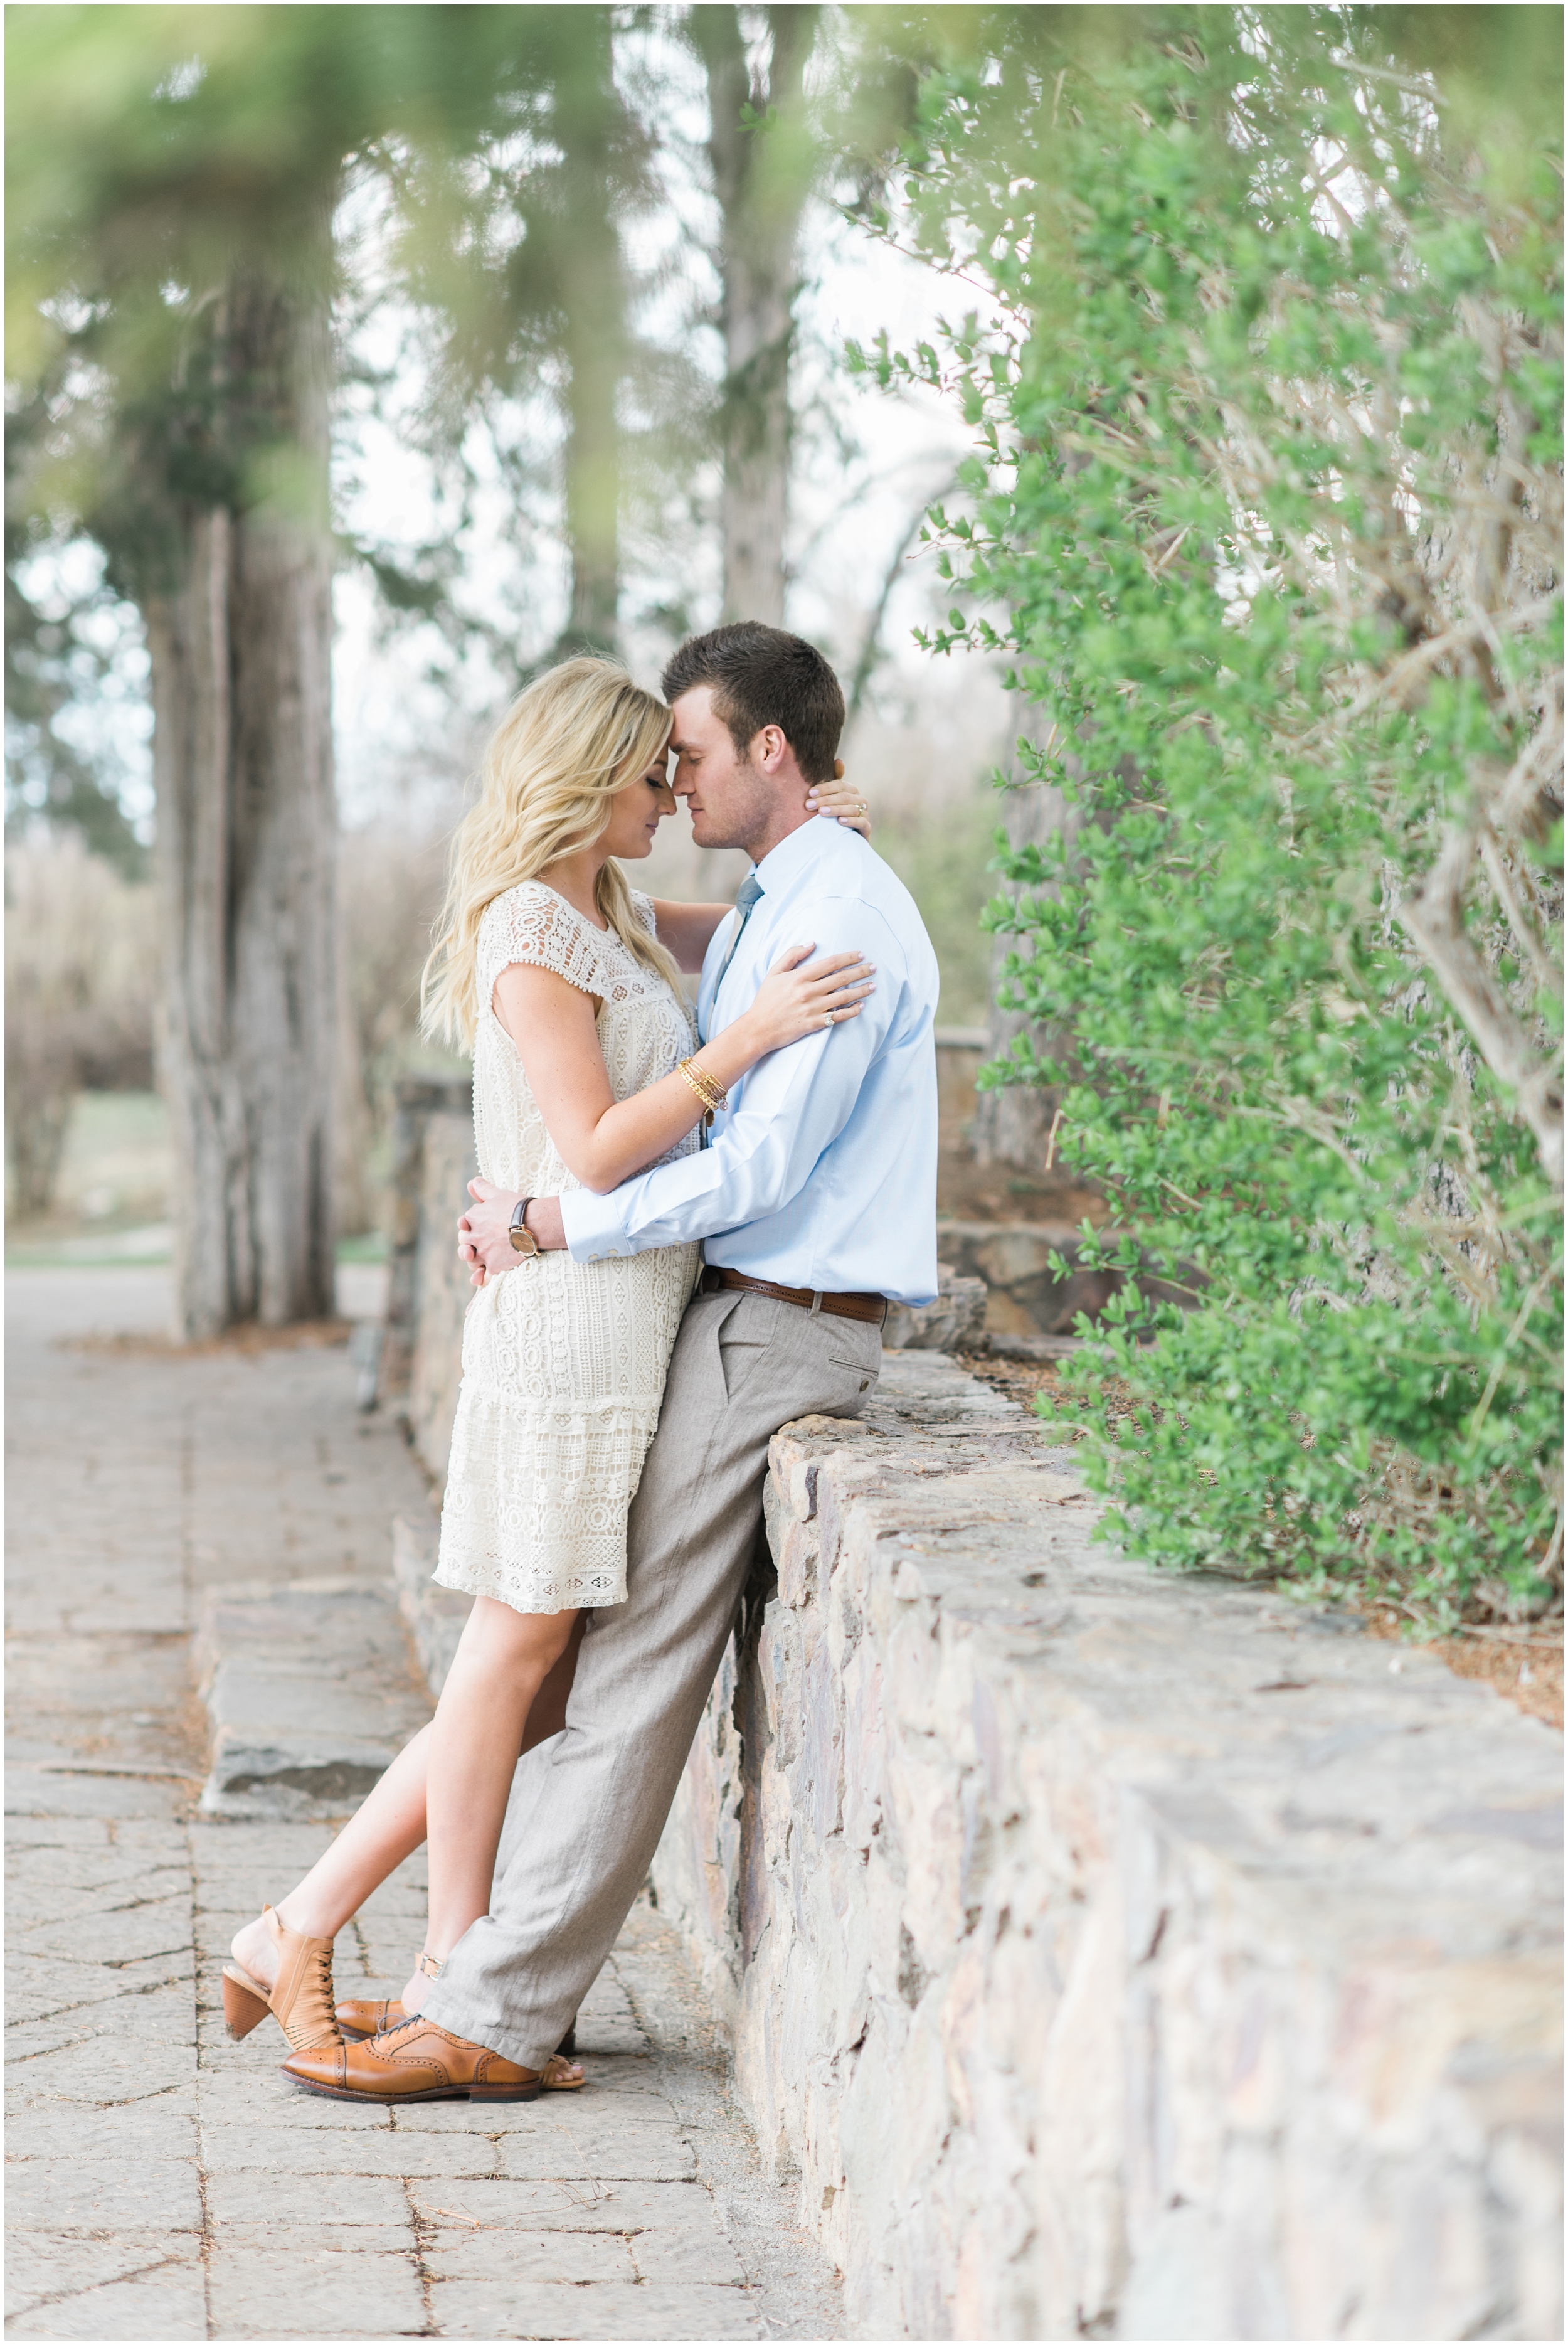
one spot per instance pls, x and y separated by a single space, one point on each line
793 856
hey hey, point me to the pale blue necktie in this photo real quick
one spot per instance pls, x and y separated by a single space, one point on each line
750 888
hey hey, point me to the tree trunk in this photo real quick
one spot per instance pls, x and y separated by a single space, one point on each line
762 179
1012 1127
592 443
240 649
594 304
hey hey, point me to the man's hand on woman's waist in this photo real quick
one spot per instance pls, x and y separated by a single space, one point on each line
484 1232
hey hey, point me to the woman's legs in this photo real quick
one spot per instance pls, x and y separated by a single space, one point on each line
548 1715
393 1819
502 1661
388 1825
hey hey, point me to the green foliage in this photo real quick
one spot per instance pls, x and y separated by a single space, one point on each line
163 164
158 157
494 172
1266 384
64 652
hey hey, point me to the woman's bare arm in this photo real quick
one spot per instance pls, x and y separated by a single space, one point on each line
686 930
603 1141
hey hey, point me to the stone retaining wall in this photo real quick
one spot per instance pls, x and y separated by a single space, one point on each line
1024 1293
1106 1954
1110 1954
433 1161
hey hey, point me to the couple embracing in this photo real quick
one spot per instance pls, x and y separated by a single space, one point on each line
684 1237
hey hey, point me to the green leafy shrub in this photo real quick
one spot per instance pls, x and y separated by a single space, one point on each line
1266 509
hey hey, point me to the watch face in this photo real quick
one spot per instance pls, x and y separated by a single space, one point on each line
523 1239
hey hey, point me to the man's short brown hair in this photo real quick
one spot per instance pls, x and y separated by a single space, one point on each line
760 675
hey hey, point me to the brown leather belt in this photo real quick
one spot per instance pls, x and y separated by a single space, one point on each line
873 1308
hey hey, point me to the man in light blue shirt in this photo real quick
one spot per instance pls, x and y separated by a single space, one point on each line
823 1171
816 1203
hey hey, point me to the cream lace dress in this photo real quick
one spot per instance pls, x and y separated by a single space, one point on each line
563 1362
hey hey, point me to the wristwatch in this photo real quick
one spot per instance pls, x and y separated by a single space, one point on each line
522 1238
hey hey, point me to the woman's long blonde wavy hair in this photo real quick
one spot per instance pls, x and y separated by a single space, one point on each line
578 735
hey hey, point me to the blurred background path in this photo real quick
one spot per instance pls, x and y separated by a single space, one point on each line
162 2182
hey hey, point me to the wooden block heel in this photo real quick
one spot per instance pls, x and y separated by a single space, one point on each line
244 2003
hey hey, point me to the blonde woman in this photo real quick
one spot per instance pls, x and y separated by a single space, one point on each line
565 985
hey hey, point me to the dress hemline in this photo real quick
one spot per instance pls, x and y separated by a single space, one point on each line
591 1602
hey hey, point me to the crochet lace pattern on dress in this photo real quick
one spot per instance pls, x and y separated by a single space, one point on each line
563 1362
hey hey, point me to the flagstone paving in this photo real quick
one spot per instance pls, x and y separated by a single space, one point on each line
162 2182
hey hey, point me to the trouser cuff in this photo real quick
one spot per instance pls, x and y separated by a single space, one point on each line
451 2010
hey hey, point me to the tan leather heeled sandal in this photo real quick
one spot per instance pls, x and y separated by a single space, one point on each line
301 2002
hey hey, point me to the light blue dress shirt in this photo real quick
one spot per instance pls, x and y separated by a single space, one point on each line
823 1171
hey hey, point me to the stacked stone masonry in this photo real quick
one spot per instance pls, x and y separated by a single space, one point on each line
1109 1954
1103 1952
433 1161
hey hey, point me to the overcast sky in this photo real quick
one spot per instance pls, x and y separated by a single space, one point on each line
865 463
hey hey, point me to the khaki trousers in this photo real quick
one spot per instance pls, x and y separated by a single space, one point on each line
588 1806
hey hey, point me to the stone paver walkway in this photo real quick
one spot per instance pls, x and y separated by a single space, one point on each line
162 2182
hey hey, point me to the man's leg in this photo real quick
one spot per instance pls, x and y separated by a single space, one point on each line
593 1803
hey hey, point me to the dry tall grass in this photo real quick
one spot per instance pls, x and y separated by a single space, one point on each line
81 976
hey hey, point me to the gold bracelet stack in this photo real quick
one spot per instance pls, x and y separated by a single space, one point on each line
707 1090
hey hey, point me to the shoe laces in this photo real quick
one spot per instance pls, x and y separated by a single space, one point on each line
312 2019
414 2019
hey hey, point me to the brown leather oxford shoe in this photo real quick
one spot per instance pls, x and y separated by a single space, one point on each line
357 2018
416 2062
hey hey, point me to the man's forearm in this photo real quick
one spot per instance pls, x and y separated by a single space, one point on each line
484 1232
627 1220
791 1107
545 1221
762 1159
